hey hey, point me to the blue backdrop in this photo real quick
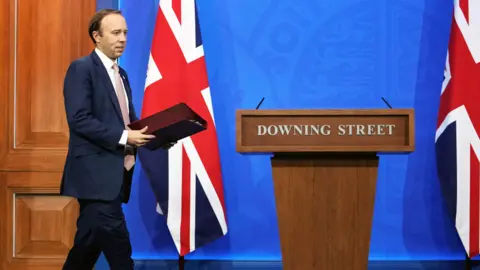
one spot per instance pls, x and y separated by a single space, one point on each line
310 54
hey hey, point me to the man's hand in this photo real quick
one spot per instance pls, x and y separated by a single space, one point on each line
138 137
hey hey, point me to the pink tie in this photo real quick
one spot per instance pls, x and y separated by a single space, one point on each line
129 159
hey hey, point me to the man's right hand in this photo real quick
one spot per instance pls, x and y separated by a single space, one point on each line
138 137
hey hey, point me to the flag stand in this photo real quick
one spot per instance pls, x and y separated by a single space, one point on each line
468 263
181 263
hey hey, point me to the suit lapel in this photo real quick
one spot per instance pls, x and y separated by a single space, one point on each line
107 83
126 85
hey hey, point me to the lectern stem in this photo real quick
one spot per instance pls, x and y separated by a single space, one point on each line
325 208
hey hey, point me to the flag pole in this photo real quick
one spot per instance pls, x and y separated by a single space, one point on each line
181 263
468 262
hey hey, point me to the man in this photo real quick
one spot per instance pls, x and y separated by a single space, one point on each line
99 165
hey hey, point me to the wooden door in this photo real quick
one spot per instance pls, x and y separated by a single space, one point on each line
38 40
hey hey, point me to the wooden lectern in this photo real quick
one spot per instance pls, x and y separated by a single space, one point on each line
324 171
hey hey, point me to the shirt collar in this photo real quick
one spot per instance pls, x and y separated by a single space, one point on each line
107 62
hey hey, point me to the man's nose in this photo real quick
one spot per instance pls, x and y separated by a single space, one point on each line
122 38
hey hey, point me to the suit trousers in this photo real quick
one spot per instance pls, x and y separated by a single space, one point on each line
101 227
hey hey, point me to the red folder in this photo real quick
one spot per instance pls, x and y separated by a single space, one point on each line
170 125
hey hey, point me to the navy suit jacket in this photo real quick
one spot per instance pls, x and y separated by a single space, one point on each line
94 165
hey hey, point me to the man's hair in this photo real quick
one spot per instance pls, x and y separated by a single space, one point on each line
96 21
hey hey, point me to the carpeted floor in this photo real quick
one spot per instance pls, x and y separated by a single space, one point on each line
243 265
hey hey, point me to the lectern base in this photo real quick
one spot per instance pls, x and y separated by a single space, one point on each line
325 208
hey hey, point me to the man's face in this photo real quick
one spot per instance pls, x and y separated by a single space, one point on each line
112 38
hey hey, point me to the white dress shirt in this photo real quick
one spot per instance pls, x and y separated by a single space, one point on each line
108 63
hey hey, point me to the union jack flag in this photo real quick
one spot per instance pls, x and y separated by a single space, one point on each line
456 139
186 179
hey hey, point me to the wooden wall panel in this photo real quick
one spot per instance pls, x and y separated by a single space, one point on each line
40 39
38 225
43 225
44 37
4 76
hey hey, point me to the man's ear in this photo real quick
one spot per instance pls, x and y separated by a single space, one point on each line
96 35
